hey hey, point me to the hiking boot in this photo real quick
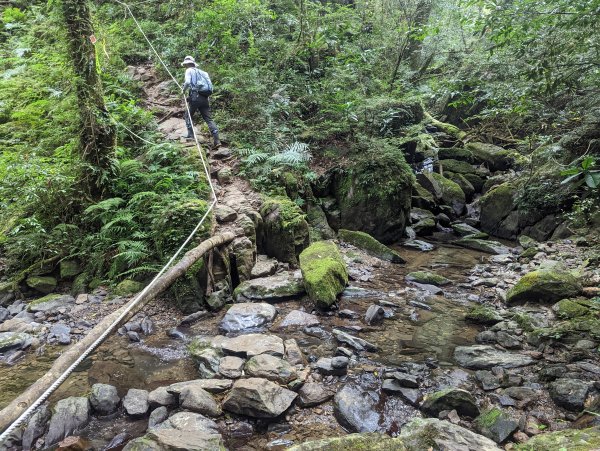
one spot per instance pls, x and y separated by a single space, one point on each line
216 140
190 134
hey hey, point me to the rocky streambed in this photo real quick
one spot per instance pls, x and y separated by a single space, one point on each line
441 352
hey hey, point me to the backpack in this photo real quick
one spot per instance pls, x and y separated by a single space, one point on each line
201 84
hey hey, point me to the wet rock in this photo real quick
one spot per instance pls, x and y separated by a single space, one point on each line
544 286
297 318
489 246
231 367
346 313
199 400
355 408
325 366
104 399
488 380
14 341
312 394
161 397
210 385
157 416
375 315
270 367
324 272
357 343
496 424
425 277
463 229
43 284
247 316
450 399
264 267
480 357
370 245
270 289
570 393
68 415
293 353
366 441
217 299
51 303
190 319
419 245
425 433
133 336
345 352
411 396
405 379
36 427
253 344
430 289
135 402
259 398
176 334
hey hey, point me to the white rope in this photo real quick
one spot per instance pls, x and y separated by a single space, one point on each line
25 415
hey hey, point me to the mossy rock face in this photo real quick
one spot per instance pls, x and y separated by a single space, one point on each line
496 205
483 315
457 167
370 245
544 286
427 278
285 232
476 180
43 284
528 253
324 272
319 227
569 439
568 309
494 157
374 192
456 153
452 194
353 442
69 269
461 181
421 198
128 287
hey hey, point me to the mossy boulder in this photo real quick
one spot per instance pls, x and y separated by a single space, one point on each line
421 198
476 243
69 269
128 287
568 439
569 308
285 232
456 153
451 193
427 277
462 181
51 303
481 314
457 167
546 285
324 272
370 245
43 284
496 205
374 191
353 442
450 399
317 220
494 157
496 424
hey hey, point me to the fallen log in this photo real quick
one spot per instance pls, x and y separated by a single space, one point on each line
14 410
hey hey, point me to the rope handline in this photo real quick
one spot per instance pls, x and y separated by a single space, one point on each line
31 409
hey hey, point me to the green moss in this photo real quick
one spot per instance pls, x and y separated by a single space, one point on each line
44 284
488 417
483 315
524 321
128 287
353 442
290 213
568 309
461 181
370 245
428 278
456 166
324 272
455 153
452 194
569 439
544 286
529 253
47 298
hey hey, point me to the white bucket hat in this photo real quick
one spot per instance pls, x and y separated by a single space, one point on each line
189 60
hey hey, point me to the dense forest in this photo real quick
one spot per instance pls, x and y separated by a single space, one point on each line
358 137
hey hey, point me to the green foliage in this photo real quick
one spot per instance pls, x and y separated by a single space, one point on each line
586 173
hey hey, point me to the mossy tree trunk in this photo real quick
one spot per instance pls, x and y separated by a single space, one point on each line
97 136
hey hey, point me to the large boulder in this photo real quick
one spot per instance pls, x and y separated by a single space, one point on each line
496 205
270 289
544 285
494 157
488 246
450 399
285 232
370 245
324 272
68 415
444 190
43 284
247 315
270 367
355 408
258 398
51 303
135 402
198 400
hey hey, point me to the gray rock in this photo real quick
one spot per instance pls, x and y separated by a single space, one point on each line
484 357
264 267
231 367
293 353
375 315
270 289
507 340
325 366
312 394
68 415
355 408
463 229
496 425
199 400
522 393
259 398
444 435
157 416
16 307
253 344
135 402
357 343
223 213
208 359
147 325
35 427
217 299
570 393
134 336
161 397
405 379
104 398
411 396
4 314
247 316
210 385
190 319
418 245
14 341
489 246
61 332
450 399
585 344
270 367
298 318
51 303
488 380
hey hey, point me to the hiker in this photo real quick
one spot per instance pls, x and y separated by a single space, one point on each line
200 87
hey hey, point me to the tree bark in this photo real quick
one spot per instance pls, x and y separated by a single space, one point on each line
11 412
97 135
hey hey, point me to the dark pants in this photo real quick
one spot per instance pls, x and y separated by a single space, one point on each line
203 106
